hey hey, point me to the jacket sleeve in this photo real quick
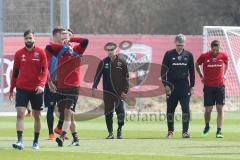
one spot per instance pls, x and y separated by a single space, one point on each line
126 79
164 69
43 75
191 71
15 73
98 75
81 47
49 56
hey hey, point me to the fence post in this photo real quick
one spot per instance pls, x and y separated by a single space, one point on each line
65 19
1 49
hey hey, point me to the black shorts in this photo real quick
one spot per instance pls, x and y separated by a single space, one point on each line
23 97
50 99
67 98
214 95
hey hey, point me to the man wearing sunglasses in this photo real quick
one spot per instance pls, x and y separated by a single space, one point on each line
215 66
115 86
176 72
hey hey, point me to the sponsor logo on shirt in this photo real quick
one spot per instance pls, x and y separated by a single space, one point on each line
179 64
214 66
36 59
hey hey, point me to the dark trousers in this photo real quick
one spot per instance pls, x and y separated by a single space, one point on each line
180 93
50 100
112 101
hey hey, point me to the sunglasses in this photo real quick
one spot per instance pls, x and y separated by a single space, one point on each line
215 45
179 45
112 49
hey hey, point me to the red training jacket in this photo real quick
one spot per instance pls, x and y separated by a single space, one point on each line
68 71
30 69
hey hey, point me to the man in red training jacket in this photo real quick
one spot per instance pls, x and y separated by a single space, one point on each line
68 78
29 76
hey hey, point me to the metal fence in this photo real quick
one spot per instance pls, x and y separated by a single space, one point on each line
18 15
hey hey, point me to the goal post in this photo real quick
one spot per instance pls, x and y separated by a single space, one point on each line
229 38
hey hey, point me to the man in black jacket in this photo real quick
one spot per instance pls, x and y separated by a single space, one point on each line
115 86
177 69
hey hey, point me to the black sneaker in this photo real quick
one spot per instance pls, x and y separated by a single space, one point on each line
185 135
59 141
110 136
119 134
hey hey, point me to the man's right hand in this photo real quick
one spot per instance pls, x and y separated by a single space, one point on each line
52 87
94 92
168 90
202 80
10 96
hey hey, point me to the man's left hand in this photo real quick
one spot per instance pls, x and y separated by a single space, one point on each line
191 90
39 90
124 96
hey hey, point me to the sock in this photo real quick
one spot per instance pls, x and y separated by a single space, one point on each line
36 136
218 130
60 124
19 135
64 133
75 136
207 125
50 120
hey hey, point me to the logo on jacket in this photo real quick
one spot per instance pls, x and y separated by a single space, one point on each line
23 57
179 58
36 55
106 65
119 64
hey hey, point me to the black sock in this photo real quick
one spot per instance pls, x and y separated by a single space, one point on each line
50 121
207 125
75 136
19 135
206 129
218 130
36 136
60 124
63 134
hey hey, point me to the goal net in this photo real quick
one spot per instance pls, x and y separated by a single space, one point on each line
229 38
